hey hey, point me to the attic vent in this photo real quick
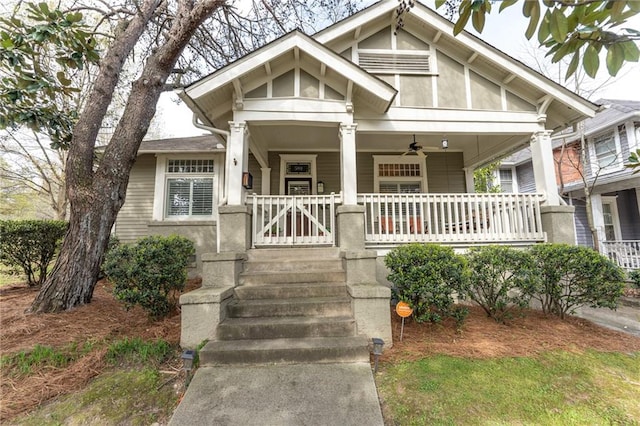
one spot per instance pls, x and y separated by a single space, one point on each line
395 63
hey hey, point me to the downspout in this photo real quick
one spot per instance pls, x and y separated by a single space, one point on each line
188 100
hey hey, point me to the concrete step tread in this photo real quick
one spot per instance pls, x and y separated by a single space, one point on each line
297 284
284 320
296 300
283 343
294 253
306 271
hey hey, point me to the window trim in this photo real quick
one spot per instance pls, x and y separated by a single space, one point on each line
302 158
613 202
617 165
400 159
514 179
161 186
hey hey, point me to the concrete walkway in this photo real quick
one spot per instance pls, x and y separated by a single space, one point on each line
300 394
626 318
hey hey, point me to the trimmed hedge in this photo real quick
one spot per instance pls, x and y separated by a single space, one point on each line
574 276
31 245
426 276
149 273
502 279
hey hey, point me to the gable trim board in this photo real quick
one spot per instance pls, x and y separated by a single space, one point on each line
384 92
443 27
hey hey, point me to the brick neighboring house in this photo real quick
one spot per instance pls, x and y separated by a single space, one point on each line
609 138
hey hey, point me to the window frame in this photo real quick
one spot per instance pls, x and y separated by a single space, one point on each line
160 207
611 201
514 179
400 159
617 164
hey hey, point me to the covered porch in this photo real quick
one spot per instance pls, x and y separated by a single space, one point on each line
392 219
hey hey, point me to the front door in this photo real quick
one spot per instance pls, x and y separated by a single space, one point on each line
297 186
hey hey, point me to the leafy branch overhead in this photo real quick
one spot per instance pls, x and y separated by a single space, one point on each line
38 54
579 29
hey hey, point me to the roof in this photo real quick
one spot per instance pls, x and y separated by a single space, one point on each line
205 143
614 111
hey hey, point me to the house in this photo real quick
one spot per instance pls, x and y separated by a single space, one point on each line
355 139
614 191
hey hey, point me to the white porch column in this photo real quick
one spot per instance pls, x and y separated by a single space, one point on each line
598 217
348 175
266 180
468 176
544 167
237 162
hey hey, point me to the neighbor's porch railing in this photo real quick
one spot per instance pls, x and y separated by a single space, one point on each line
293 219
452 218
625 253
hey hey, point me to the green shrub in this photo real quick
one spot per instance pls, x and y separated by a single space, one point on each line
425 276
150 272
574 276
114 242
30 245
634 276
501 279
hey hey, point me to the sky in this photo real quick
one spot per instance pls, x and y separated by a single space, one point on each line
504 31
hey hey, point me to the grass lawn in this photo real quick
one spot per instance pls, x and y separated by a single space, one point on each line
553 388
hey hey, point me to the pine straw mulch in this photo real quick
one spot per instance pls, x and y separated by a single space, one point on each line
103 320
482 337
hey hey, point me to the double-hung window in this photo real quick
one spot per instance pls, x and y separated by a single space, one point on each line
606 152
189 188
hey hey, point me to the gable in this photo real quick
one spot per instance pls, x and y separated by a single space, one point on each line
293 66
492 80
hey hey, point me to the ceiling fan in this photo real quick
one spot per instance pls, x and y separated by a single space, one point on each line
414 148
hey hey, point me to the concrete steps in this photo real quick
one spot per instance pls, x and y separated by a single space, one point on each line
286 327
298 276
309 306
310 349
291 306
291 290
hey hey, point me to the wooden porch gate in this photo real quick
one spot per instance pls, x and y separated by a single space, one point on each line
287 220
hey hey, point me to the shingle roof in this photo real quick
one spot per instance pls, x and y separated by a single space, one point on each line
204 143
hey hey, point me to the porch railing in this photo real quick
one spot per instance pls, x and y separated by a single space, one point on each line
452 218
293 219
625 253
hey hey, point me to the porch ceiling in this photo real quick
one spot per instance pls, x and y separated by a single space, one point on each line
312 137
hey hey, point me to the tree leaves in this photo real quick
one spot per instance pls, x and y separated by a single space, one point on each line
38 47
579 29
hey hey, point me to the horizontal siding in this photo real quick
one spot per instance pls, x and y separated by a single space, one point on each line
583 234
526 179
256 172
444 171
628 214
137 210
328 171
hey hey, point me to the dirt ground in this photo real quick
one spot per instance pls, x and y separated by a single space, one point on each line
105 319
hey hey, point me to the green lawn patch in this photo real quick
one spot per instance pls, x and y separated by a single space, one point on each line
132 397
557 388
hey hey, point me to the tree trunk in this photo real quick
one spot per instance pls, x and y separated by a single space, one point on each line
95 197
73 279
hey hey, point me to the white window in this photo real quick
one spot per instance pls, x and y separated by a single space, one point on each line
506 180
606 150
185 188
399 174
611 219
